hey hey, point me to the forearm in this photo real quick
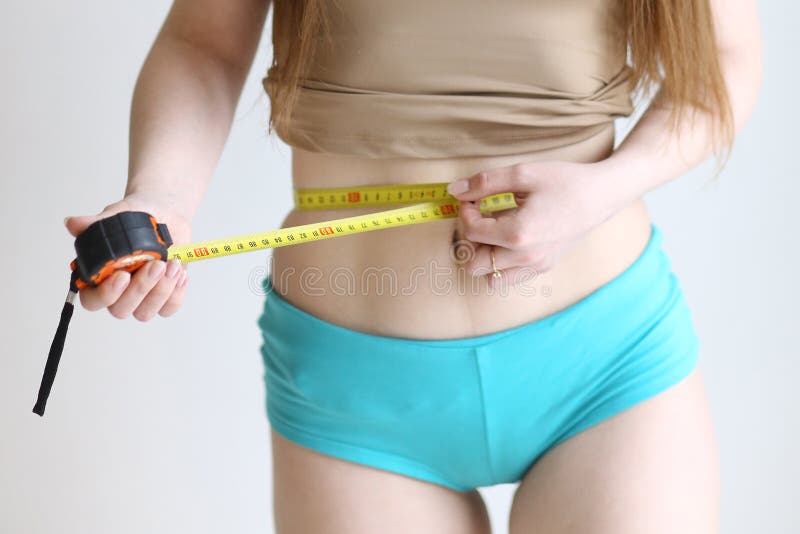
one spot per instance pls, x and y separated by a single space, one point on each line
652 154
181 113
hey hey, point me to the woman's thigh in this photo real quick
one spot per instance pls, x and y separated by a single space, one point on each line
315 492
652 468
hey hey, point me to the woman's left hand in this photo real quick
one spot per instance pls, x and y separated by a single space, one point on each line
559 202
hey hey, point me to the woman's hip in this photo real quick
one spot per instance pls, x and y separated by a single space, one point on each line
397 402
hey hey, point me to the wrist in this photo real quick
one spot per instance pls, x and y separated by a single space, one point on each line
623 178
161 200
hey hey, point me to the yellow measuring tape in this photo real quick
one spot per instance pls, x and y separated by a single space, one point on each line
429 202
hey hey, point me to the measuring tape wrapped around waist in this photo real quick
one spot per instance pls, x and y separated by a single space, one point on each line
430 202
128 240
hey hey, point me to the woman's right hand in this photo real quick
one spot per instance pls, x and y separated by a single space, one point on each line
158 287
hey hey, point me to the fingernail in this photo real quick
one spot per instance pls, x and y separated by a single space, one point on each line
121 280
66 219
173 266
184 279
156 270
459 186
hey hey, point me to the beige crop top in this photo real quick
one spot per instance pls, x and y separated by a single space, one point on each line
449 78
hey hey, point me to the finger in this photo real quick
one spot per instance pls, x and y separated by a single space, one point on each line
156 297
481 263
485 183
76 225
535 260
176 299
105 294
513 272
502 229
505 259
142 282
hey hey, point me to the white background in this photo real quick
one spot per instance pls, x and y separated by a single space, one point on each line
159 427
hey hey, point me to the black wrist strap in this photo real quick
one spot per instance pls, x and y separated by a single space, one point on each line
57 347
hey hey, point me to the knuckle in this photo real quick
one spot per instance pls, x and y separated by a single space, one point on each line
103 297
154 301
480 181
106 292
141 284
169 284
161 291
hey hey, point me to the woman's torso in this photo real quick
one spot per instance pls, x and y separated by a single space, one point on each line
409 281
430 92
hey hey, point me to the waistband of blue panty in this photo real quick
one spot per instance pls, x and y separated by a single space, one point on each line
637 277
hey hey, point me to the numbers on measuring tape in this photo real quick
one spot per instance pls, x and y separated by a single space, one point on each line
445 207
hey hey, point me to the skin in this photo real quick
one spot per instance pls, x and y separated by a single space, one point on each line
581 222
